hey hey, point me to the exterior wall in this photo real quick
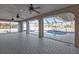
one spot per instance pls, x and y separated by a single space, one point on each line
73 9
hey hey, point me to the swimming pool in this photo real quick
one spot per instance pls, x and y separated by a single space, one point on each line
57 32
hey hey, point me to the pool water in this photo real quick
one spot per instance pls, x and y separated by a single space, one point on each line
57 32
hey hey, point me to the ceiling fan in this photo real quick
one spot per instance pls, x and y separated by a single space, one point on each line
17 16
12 19
31 9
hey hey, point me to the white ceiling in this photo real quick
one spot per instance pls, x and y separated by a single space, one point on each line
8 11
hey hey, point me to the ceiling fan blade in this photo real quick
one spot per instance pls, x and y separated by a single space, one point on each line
36 7
36 11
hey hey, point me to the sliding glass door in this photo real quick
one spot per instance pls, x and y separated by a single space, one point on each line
33 27
14 26
58 29
24 26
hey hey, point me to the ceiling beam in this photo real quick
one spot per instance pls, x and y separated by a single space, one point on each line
8 20
49 13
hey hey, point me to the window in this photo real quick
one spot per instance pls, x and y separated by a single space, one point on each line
6 27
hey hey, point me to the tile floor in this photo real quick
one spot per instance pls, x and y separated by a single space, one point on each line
20 43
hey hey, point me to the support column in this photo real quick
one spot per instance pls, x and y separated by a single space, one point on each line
20 26
27 27
77 32
41 32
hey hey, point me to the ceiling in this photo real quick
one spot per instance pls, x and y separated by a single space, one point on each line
7 11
